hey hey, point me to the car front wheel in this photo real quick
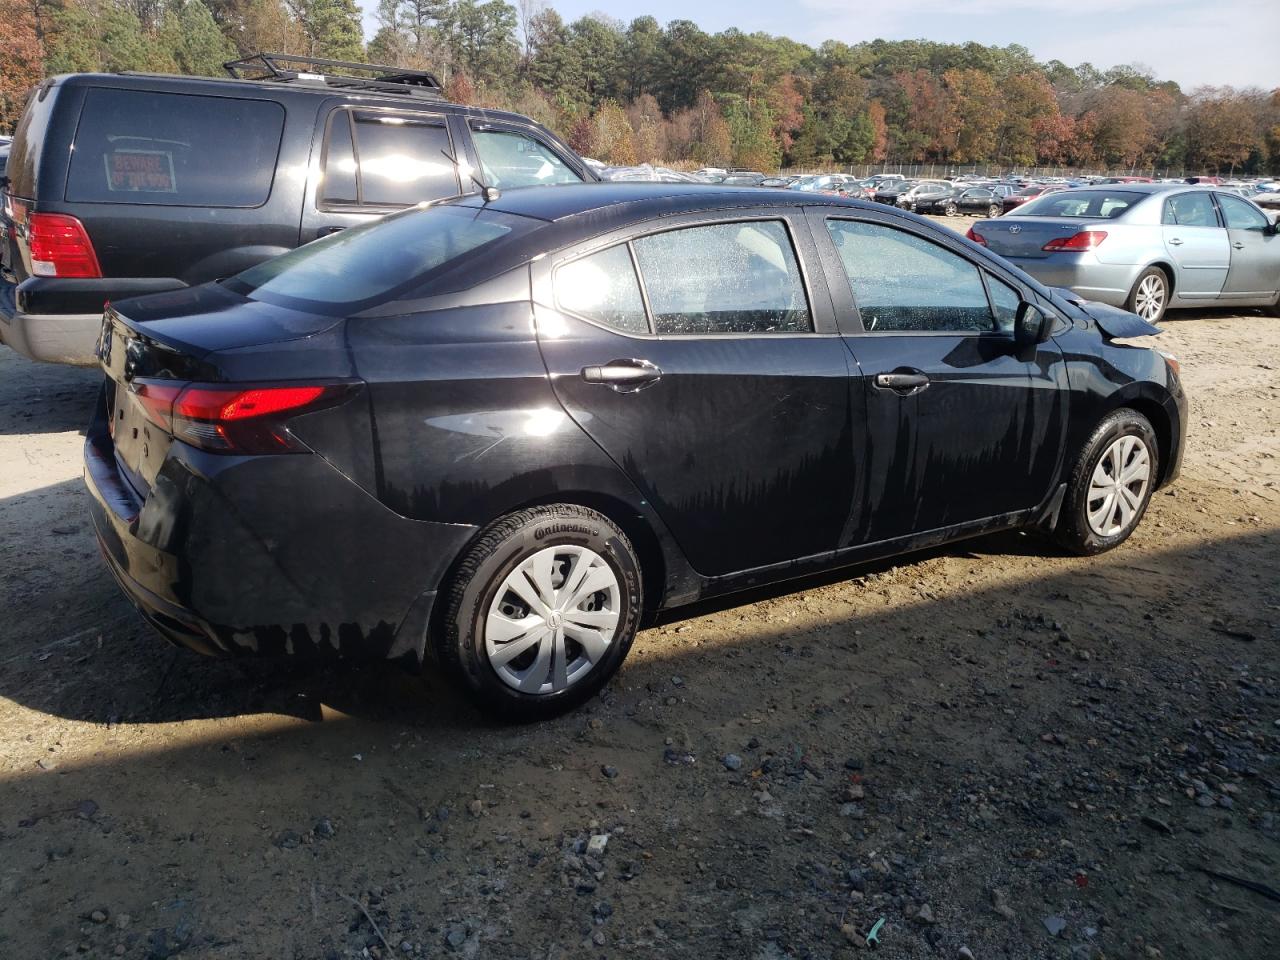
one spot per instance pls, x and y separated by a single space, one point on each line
1150 295
950 209
541 612
1111 485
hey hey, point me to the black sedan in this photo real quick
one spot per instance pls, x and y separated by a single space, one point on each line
503 434
982 201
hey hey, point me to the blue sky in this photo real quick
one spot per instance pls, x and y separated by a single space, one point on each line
1195 42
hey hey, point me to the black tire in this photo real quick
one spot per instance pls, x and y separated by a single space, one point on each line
1156 277
950 209
994 210
1074 531
460 642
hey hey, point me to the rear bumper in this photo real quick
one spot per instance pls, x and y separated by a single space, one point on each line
1081 272
234 556
53 338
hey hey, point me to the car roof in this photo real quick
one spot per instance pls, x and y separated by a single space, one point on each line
1148 187
619 202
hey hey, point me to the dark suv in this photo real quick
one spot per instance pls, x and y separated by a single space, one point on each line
126 184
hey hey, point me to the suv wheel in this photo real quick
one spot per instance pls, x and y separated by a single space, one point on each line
1111 485
1150 295
541 612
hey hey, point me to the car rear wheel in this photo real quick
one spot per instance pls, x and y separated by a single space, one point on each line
541 612
1111 485
1150 295
994 210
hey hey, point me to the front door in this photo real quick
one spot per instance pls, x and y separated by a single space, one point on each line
1255 252
960 425
696 359
1197 243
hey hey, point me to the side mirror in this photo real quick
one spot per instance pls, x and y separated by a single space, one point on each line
1031 325
1271 229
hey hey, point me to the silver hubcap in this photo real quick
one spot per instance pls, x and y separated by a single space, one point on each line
1118 486
1150 297
552 619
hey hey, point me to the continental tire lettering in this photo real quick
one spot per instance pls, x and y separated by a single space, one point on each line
543 532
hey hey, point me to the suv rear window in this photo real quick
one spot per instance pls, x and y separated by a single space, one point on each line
174 150
376 262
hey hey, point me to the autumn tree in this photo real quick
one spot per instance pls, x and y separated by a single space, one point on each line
23 60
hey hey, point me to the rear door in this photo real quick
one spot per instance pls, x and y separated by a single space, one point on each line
1255 252
960 425
703 361
1196 240
374 161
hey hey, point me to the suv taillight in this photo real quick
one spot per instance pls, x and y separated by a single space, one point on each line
60 247
1084 240
239 419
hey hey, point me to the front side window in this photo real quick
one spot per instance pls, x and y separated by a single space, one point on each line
603 287
174 150
512 159
902 282
385 160
1240 215
1190 210
377 261
724 278
1005 302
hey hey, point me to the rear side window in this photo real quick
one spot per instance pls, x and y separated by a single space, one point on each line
509 158
1190 210
724 278
174 150
377 261
603 288
387 160
902 282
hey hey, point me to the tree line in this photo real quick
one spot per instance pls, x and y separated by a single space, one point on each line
642 92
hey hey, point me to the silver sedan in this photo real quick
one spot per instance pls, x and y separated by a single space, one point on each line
1144 247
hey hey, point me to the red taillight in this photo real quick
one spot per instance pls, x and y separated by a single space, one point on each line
234 419
975 236
60 247
1084 240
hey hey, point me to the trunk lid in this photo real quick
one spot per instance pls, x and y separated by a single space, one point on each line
150 346
1025 237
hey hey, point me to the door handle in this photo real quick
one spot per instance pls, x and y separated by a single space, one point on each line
625 376
1238 245
904 382
1175 242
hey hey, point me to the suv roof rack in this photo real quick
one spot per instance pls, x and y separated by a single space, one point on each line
283 68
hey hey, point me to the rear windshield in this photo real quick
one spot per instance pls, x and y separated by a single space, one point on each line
1081 204
371 264
174 150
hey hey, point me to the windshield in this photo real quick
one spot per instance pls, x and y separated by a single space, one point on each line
1081 204
375 262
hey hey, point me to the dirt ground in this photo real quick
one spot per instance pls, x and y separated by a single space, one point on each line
1001 751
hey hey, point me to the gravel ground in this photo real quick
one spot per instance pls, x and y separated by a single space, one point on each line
999 750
